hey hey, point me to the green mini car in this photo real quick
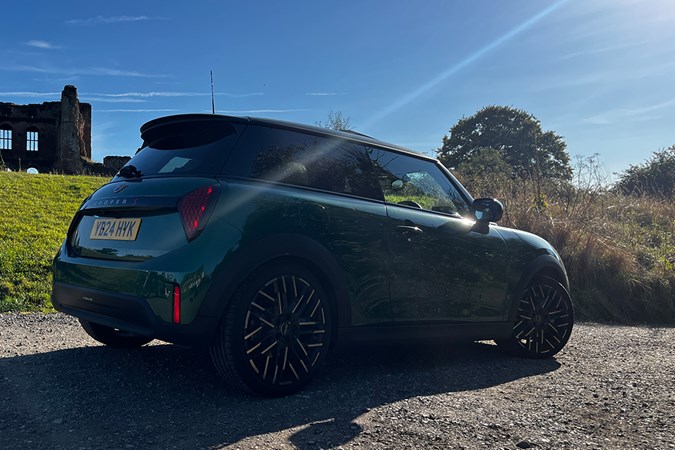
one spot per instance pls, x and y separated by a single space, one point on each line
268 241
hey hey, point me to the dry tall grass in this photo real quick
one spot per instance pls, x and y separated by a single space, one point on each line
619 251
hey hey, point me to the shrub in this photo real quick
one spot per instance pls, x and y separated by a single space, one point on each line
655 178
619 250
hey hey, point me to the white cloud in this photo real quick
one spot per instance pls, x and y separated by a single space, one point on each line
321 94
173 94
95 71
29 94
124 97
604 77
117 73
87 98
136 110
42 44
606 49
111 19
51 79
641 114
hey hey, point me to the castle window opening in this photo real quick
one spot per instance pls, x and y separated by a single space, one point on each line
5 138
32 140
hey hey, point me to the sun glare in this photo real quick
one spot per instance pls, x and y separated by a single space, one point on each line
438 79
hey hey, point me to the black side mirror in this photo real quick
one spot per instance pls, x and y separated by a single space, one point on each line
487 210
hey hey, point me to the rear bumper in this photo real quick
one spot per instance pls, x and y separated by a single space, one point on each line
128 313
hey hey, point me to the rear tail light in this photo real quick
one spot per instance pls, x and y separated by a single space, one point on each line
176 303
195 209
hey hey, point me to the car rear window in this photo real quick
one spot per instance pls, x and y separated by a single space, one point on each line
183 150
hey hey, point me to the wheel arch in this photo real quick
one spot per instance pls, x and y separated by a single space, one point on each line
282 247
543 265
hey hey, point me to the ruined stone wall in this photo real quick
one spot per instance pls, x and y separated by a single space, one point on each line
84 130
64 134
20 119
115 162
69 159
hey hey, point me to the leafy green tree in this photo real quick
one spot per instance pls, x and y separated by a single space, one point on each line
486 173
336 121
655 177
485 160
516 135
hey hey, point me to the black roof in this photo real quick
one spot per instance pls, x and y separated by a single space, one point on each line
200 119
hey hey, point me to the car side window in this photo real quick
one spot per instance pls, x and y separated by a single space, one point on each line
300 159
416 182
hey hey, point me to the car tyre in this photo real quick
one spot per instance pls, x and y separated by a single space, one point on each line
276 331
544 321
113 337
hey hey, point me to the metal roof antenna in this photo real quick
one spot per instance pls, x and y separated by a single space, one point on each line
213 101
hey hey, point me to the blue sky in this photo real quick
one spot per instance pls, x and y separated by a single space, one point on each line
601 73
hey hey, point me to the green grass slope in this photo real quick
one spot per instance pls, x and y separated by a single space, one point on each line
35 213
619 251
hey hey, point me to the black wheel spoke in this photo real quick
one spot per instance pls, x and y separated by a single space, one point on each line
544 319
261 318
285 330
261 348
303 303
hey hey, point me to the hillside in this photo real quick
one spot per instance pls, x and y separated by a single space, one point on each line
619 251
36 212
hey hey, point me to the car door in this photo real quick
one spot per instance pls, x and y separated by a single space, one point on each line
321 188
441 269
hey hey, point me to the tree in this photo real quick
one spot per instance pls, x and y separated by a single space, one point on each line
655 177
336 121
516 135
485 161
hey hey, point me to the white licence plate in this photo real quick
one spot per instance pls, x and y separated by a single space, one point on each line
115 229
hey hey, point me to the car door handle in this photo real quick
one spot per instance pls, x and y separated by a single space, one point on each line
409 229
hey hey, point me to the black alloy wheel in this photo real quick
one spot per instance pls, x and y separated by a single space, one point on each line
277 332
544 321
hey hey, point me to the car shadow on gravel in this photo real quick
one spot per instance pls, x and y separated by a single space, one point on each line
168 396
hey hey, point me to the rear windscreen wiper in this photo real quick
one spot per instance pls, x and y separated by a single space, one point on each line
129 171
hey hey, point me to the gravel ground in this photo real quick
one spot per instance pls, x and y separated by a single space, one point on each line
612 387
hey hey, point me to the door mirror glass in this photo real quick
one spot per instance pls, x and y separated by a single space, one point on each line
487 210
397 185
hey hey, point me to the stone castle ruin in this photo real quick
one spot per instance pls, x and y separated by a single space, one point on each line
50 137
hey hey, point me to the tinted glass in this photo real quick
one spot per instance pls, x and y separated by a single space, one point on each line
186 151
416 182
301 159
